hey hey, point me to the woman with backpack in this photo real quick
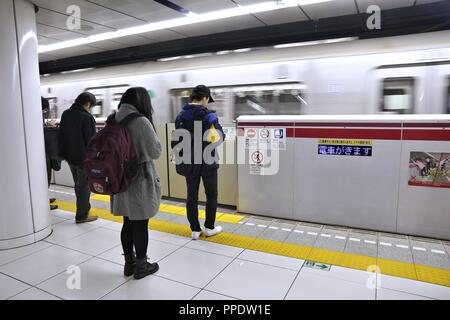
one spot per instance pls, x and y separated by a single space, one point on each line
141 200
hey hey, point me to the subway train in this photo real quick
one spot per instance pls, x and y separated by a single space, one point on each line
397 75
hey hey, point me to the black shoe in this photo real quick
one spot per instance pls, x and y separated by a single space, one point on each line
144 268
53 207
130 265
87 219
52 200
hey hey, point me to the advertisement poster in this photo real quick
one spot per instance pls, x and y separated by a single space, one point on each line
429 169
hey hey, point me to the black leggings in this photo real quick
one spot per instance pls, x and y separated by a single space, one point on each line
134 234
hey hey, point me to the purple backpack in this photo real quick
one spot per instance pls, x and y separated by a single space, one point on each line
111 164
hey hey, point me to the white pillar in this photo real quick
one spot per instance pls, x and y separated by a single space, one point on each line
24 206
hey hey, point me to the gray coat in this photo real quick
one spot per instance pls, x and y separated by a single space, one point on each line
141 201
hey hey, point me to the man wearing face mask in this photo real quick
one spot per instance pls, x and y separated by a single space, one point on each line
77 127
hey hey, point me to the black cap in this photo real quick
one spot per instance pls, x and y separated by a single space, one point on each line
200 92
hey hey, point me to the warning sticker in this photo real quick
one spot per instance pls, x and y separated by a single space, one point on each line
251 138
230 133
345 142
278 139
257 158
264 141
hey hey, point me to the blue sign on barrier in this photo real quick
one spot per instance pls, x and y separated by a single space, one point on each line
342 150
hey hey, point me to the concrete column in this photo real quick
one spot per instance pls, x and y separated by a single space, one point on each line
24 207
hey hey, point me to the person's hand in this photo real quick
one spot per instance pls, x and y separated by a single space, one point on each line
51 123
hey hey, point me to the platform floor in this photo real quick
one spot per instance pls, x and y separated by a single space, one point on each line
255 258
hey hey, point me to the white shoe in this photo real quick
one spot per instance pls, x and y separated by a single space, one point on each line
196 235
213 232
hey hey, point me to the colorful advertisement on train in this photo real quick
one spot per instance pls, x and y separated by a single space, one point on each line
429 169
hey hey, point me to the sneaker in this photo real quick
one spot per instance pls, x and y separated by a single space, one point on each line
213 232
87 219
196 235
53 207
52 200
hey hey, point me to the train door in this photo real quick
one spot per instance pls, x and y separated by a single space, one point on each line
440 88
400 90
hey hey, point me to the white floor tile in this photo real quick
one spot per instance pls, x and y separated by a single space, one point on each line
216 248
10 287
7 256
98 278
94 242
415 287
44 264
157 250
352 275
56 220
272 259
386 294
68 230
192 267
63 214
208 295
101 222
253 281
153 288
167 237
313 287
34 294
116 226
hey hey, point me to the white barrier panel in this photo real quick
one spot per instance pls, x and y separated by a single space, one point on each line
383 172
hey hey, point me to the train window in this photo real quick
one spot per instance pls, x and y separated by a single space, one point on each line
233 101
97 110
398 95
115 101
270 100
52 113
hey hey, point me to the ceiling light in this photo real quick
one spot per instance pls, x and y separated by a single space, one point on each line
242 50
223 52
312 43
77 70
187 20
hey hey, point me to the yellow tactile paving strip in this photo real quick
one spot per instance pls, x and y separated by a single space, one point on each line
354 261
167 208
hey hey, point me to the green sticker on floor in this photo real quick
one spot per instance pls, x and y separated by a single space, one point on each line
317 265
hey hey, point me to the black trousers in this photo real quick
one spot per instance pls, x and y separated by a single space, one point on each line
82 191
134 234
49 169
210 184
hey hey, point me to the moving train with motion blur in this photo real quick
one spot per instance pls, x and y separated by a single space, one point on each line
407 74
404 74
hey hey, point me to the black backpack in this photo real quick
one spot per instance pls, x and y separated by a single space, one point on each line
185 120
52 139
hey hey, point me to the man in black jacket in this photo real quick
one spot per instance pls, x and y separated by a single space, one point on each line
206 170
45 109
77 127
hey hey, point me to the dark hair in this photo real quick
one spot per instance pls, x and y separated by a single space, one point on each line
85 98
140 99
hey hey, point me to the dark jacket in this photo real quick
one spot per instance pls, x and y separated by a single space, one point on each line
185 120
77 127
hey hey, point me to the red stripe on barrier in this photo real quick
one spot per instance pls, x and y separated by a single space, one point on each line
349 124
290 132
428 135
426 125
